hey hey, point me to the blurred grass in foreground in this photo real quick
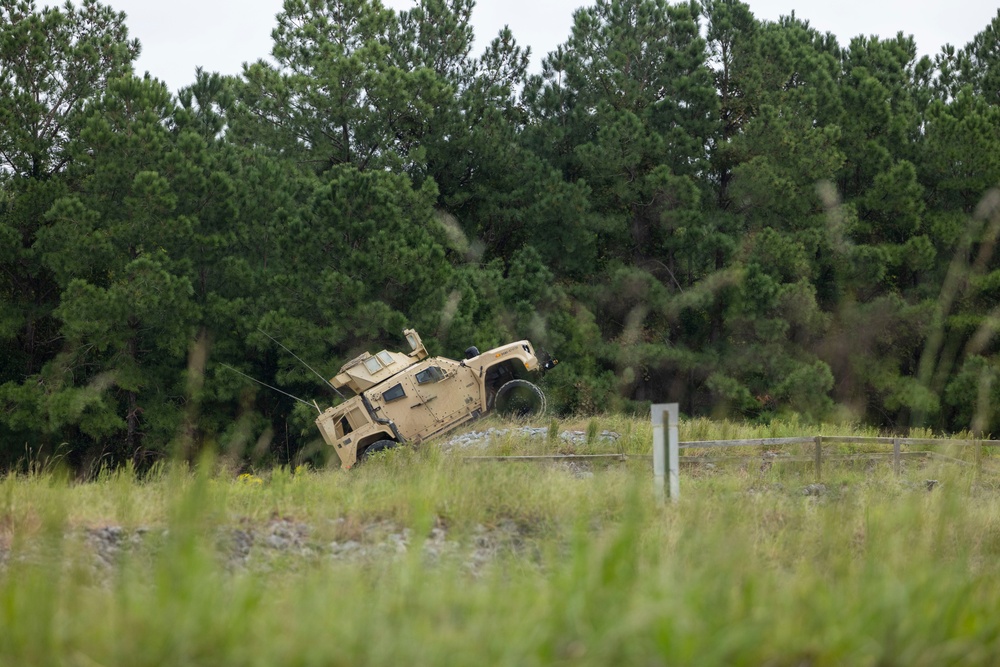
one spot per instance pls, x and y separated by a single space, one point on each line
746 569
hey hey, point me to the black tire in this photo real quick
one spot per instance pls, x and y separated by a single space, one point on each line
520 399
377 446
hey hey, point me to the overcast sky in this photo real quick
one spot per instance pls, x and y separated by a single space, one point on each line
220 35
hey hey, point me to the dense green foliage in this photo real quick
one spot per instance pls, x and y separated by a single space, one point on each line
686 203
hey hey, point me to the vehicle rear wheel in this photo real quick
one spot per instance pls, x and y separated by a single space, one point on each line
377 446
520 399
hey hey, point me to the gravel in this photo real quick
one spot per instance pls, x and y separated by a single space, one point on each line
482 439
283 543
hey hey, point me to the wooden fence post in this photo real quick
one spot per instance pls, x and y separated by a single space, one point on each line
895 456
819 457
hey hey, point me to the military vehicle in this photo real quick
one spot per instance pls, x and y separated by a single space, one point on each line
411 397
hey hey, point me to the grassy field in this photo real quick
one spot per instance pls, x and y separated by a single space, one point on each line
421 558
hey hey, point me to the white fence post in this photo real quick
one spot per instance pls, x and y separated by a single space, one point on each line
665 452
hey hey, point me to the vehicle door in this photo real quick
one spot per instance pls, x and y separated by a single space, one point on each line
450 391
400 402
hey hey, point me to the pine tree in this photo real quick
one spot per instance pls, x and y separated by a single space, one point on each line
54 62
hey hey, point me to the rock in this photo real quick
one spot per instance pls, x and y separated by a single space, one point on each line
276 542
241 541
348 549
578 469
107 543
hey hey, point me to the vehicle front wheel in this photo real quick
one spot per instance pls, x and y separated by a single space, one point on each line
377 446
520 399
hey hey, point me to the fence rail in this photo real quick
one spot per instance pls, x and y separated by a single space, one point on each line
837 439
817 458
818 441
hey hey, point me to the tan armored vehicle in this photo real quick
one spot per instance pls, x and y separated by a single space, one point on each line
408 397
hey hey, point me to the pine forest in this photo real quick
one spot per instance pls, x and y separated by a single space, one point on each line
685 203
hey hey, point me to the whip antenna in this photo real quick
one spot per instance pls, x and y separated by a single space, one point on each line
316 373
311 405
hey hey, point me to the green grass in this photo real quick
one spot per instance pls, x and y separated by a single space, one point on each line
745 569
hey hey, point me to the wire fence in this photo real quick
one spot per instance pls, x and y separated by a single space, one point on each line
818 456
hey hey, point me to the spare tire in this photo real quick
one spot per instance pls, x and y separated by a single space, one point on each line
520 399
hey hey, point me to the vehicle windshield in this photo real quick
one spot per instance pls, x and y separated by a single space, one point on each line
432 374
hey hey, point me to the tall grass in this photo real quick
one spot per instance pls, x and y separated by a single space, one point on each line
745 569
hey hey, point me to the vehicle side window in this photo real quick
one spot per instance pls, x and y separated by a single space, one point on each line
432 374
393 393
